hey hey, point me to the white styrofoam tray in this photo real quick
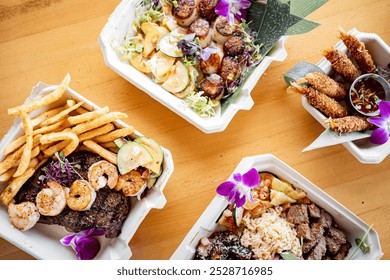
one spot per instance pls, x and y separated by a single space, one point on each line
349 222
120 23
363 150
42 241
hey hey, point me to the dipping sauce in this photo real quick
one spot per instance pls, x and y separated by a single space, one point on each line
366 95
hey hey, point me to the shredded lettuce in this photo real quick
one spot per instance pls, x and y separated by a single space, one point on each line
202 105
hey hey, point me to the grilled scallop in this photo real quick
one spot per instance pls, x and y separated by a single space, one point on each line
207 9
234 46
201 28
230 69
213 64
222 30
186 12
213 86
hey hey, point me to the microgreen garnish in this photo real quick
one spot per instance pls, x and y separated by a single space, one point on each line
361 244
60 170
130 46
147 11
239 190
202 105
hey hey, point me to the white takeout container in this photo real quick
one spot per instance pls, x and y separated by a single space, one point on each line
120 23
363 149
43 241
352 225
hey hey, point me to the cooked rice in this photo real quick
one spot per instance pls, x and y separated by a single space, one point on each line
270 234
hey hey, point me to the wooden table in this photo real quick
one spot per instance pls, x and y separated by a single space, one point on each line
43 40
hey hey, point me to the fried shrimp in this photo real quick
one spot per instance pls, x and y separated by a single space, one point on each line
342 64
80 196
23 216
326 85
52 200
103 173
131 183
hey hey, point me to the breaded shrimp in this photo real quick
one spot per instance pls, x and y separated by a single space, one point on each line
323 83
342 64
349 124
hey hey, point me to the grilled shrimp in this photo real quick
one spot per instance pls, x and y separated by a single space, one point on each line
230 69
234 46
52 200
132 183
213 86
23 216
186 12
102 173
213 64
207 8
222 30
201 28
80 195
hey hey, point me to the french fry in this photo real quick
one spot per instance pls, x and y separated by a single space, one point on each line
26 156
8 175
96 148
110 117
17 143
12 189
50 128
45 115
73 120
58 136
60 116
51 150
111 136
81 110
108 145
96 132
47 99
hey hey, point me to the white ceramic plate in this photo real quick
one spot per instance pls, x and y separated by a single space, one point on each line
363 150
42 241
349 222
119 24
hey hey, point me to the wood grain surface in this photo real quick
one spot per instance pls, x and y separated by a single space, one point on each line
42 40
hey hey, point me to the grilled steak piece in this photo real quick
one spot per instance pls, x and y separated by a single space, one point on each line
224 245
319 250
297 214
326 219
335 239
343 252
303 230
109 210
314 211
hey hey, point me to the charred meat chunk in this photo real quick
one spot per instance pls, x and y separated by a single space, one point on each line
303 230
343 252
297 214
326 219
314 211
334 239
234 46
319 250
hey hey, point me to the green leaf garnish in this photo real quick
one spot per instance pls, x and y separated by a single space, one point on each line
361 244
289 256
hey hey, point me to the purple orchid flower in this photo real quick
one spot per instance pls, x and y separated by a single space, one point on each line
240 190
207 52
232 9
85 246
380 135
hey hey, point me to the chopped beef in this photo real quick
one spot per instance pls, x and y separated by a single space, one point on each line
326 219
308 245
297 214
223 245
319 250
343 252
334 239
303 230
317 231
314 211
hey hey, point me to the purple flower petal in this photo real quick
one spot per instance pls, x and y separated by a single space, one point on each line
240 200
67 240
237 177
207 52
232 195
222 8
225 188
384 108
250 197
87 248
378 121
379 136
251 179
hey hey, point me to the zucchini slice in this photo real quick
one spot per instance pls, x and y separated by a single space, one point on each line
178 80
131 155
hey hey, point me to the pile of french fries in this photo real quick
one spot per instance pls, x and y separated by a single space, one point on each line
63 129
